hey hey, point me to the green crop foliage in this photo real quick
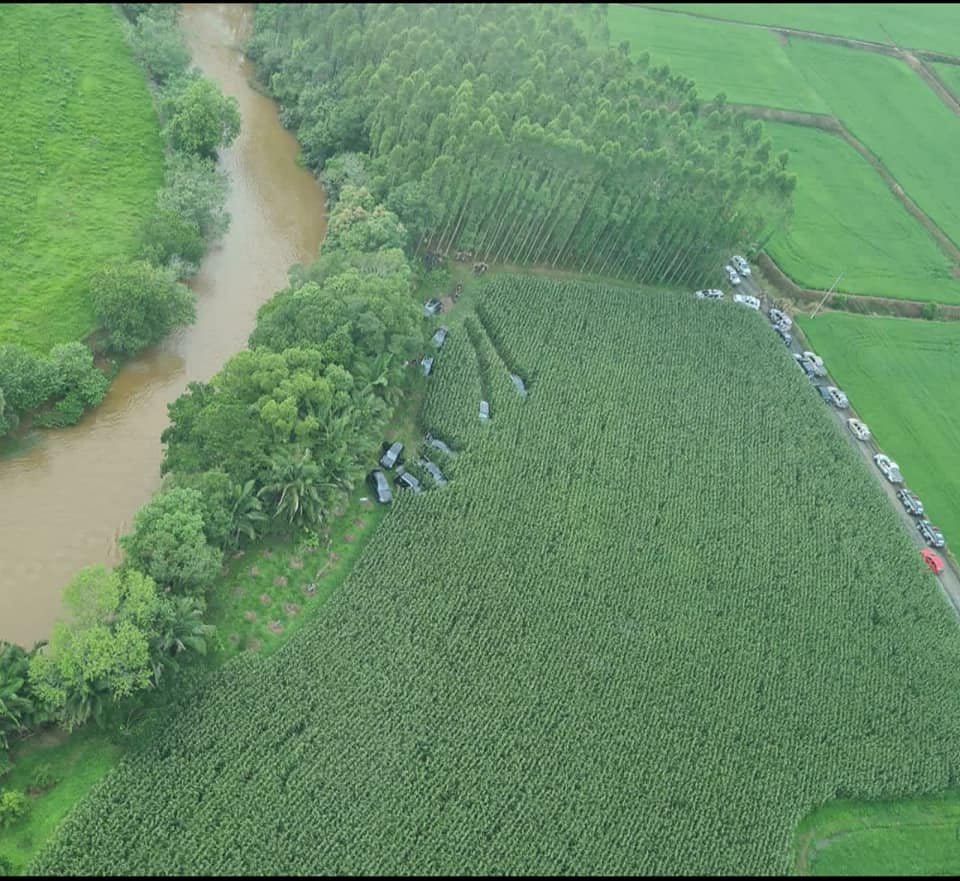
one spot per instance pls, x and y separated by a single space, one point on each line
847 220
913 25
82 162
660 614
903 378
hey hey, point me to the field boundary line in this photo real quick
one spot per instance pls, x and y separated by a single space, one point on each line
832 124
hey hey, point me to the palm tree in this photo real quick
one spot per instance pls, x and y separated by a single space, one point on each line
246 513
181 629
295 487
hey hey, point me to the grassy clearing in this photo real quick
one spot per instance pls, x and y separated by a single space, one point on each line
747 64
847 220
916 837
931 26
903 378
78 762
82 163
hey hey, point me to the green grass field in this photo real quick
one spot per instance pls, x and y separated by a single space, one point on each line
903 378
898 116
747 64
913 837
82 163
931 26
847 220
551 666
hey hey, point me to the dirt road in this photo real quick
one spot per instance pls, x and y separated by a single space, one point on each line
950 577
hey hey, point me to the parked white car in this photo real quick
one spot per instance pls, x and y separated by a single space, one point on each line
838 397
709 294
780 319
858 429
740 265
889 468
816 362
747 300
732 275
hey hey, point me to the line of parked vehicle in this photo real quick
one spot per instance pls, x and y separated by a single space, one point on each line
813 366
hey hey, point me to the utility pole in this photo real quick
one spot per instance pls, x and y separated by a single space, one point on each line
827 294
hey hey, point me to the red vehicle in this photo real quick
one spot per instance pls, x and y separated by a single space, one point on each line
932 560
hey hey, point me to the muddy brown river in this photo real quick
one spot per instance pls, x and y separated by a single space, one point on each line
65 501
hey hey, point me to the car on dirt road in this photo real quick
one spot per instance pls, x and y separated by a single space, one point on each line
432 307
933 561
785 335
889 468
747 300
378 483
732 275
816 362
838 398
709 294
858 429
824 393
778 318
931 535
910 502
740 265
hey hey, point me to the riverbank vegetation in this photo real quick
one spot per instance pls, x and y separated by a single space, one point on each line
498 131
274 444
73 262
496 631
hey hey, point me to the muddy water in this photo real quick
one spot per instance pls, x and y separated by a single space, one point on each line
65 501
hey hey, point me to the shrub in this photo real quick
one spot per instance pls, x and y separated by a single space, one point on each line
929 311
139 304
14 804
43 778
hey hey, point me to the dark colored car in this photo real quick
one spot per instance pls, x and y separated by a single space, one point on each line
405 479
931 534
910 502
824 393
438 444
381 489
389 458
433 471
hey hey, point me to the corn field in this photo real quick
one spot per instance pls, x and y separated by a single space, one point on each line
661 612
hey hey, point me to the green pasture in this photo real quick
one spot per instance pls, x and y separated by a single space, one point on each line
847 220
909 837
82 161
903 378
932 26
950 75
748 65
898 116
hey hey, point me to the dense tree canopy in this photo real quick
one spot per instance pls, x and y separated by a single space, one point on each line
496 129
